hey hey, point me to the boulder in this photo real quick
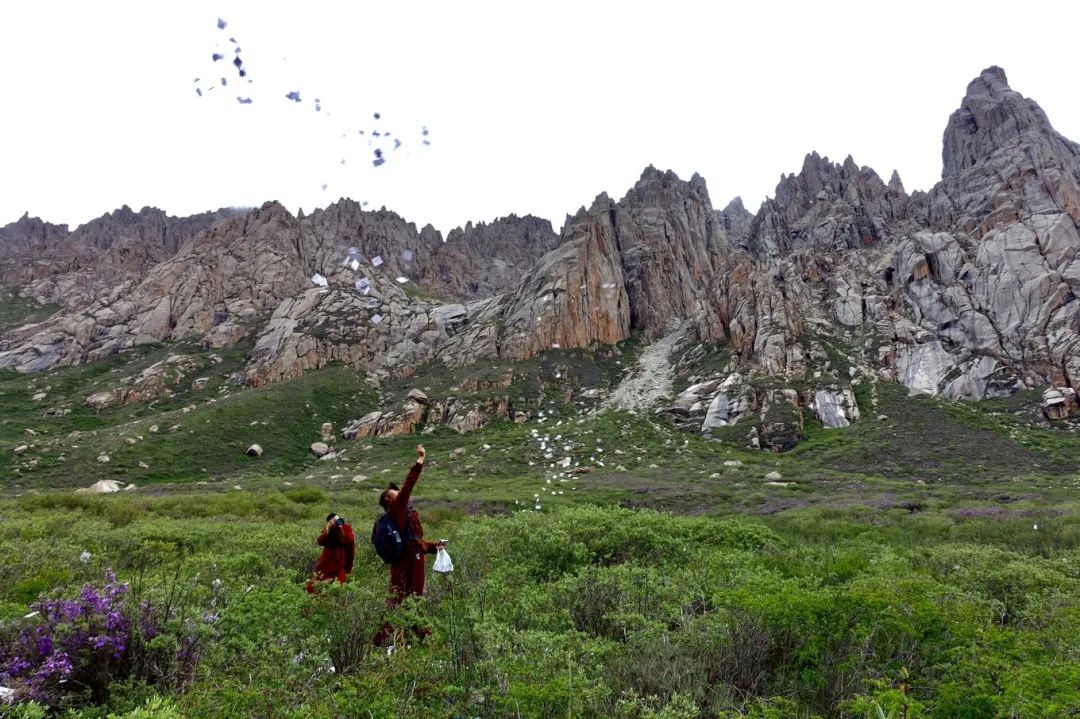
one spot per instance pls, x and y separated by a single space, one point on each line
835 406
104 486
21 449
319 449
103 458
1059 402
255 450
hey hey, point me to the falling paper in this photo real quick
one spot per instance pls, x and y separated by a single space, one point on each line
376 319
319 280
364 285
402 280
376 260
407 255
354 250
354 264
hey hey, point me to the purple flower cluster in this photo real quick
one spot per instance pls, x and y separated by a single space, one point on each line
70 645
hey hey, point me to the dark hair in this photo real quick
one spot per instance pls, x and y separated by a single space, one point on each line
384 498
331 516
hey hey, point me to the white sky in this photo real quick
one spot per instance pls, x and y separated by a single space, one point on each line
532 108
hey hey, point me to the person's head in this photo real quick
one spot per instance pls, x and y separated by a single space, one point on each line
388 495
331 516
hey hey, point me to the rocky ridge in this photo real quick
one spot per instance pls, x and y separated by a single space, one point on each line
966 291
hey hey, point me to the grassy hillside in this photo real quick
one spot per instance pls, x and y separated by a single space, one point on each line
656 574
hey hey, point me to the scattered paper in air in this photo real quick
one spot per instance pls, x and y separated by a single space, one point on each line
319 280
376 260
376 319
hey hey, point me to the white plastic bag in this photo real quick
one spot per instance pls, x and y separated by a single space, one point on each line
443 562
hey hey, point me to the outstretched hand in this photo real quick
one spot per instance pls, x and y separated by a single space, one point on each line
421 454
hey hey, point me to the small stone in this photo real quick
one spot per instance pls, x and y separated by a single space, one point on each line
882 417
144 465
773 476
458 452
319 449
103 458
130 440
732 463
21 449
29 432
715 475
358 478
327 431
153 429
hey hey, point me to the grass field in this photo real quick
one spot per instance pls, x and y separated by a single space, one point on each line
926 563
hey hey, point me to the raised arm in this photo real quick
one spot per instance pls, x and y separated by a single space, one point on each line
414 475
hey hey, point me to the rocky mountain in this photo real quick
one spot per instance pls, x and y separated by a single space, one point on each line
966 291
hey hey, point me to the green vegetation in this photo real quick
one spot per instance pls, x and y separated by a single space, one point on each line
588 611
928 562
16 311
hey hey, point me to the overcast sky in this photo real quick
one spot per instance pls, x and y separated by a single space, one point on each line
531 107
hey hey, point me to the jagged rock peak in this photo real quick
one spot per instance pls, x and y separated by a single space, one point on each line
655 184
992 116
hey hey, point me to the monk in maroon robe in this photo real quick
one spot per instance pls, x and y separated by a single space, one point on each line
339 550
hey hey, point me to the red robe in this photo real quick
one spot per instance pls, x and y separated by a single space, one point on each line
407 573
336 560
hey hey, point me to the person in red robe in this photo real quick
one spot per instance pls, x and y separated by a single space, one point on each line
339 550
407 573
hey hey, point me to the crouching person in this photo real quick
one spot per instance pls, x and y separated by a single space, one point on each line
339 549
398 537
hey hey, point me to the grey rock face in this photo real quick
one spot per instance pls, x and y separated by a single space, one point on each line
969 290
835 406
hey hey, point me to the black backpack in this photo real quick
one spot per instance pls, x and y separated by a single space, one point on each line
389 543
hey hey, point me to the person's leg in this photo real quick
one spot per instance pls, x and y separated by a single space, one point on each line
416 588
399 583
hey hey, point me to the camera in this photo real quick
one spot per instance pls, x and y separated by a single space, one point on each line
340 521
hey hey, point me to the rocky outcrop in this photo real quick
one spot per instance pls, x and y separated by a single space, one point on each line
827 207
157 381
459 414
966 291
835 406
487 259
